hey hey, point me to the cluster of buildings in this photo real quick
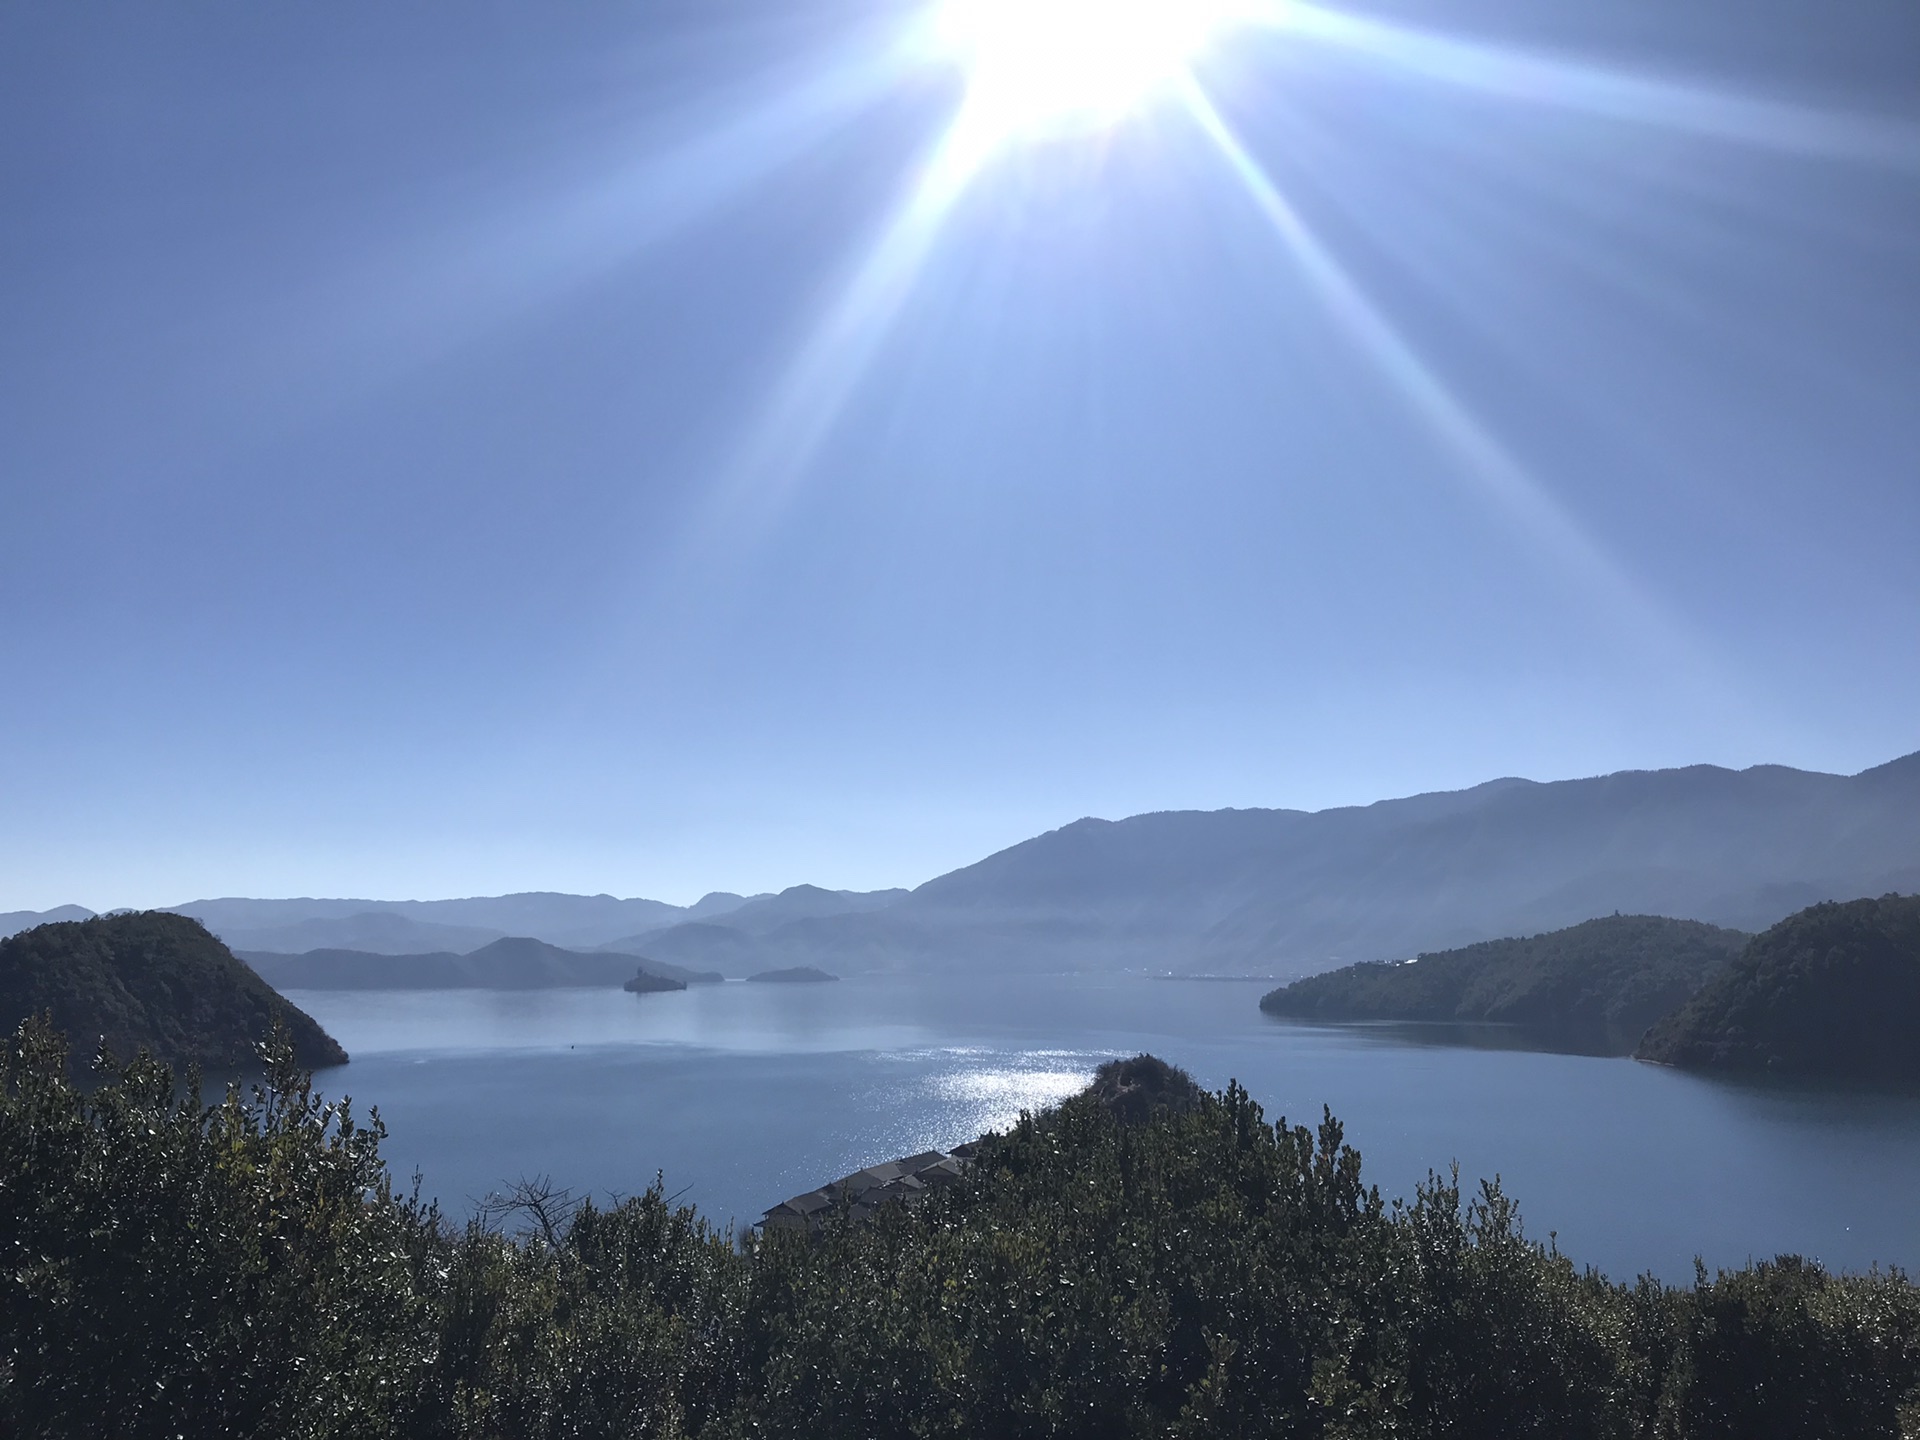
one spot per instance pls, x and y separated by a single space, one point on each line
862 1193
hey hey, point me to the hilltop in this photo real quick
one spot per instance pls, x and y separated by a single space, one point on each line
154 981
1831 993
1596 986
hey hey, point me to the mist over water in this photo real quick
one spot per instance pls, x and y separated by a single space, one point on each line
741 1095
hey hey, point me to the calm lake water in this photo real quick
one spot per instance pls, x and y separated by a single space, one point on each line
742 1095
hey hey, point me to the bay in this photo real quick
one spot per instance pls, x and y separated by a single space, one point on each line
740 1095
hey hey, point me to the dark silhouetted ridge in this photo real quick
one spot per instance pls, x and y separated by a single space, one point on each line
153 981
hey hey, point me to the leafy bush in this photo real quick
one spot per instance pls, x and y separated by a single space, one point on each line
246 1267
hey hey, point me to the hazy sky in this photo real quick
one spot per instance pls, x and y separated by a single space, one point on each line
448 448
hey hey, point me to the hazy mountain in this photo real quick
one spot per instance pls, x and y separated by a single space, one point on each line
417 927
718 941
12 922
512 963
802 902
700 946
716 902
377 932
150 981
1287 892
460 925
1278 893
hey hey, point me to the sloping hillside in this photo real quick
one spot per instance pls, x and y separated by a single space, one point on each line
1594 987
1830 993
1287 893
153 981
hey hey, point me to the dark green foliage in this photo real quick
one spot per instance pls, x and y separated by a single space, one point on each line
1595 987
172 1269
1832 993
1142 1089
152 981
245 1268
1784 1350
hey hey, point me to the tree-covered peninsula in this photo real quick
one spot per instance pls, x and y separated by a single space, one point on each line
155 981
1832 993
247 1267
1596 986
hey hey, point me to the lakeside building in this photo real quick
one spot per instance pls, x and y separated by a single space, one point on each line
907 1180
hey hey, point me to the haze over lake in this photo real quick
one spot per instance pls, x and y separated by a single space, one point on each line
745 1094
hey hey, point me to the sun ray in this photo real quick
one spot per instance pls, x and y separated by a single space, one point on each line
1538 79
1477 455
382 317
806 403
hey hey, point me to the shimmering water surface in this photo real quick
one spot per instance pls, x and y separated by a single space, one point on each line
744 1094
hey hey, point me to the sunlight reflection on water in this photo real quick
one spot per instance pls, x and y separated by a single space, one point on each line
745 1094
993 1099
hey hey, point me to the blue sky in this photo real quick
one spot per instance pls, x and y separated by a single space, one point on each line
449 449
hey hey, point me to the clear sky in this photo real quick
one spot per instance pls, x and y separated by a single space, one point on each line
449 448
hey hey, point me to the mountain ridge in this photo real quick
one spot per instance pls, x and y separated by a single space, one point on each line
1281 892
516 962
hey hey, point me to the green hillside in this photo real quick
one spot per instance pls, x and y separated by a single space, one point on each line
150 980
1594 986
1830 993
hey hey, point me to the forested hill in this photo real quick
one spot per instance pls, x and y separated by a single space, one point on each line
1597 985
1830 993
154 981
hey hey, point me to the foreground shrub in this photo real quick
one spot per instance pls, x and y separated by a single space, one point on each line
171 1267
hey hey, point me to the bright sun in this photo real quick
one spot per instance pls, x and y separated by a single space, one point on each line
1040 66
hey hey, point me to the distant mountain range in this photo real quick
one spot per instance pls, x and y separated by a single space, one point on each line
1277 893
400 927
515 963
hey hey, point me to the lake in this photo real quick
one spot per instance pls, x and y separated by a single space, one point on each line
741 1095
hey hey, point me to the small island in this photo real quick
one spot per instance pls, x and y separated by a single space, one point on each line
1592 988
796 975
646 982
1832 993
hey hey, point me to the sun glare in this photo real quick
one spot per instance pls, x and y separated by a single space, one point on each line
1036 67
